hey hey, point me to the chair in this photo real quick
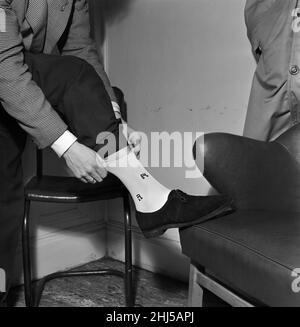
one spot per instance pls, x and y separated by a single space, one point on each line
252 256
70 190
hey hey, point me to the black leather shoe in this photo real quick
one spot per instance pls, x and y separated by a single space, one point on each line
183 210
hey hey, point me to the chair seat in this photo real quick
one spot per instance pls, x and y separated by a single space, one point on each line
70 189
252 252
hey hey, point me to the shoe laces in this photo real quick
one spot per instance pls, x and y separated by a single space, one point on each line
181 196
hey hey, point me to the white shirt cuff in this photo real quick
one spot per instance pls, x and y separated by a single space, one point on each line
63 143
116 109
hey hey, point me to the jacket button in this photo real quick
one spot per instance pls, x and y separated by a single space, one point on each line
294 70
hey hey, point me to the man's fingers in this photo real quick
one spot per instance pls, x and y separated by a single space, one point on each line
84 164
96 177
137 149
90 179
98 173
135 142
102 172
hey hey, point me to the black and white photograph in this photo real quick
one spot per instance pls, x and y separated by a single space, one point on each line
149 157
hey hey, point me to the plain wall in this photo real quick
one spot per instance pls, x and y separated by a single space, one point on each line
183 65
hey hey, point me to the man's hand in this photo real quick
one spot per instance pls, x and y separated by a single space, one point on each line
134 138
82 162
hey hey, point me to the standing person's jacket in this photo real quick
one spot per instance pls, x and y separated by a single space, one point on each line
274 33
40 26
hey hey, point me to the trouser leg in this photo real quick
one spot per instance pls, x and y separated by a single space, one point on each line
77 93
12 143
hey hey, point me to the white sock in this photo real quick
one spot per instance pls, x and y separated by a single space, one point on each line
148 194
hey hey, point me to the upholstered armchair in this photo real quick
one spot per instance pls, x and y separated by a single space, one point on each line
252 256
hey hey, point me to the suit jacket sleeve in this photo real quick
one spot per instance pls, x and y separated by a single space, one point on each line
19 94
78 42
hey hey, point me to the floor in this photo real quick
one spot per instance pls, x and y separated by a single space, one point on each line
107 291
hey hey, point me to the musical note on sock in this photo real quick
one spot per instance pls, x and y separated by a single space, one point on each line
139 197
144 176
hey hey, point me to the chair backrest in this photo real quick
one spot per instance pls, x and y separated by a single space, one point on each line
121 101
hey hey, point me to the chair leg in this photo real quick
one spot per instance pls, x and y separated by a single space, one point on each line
128 253
195 298
26 256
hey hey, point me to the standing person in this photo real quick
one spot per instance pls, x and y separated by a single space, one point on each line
274 32
53 87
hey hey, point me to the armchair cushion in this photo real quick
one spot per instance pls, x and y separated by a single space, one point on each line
251 252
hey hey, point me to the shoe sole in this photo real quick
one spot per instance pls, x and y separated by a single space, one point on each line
225 209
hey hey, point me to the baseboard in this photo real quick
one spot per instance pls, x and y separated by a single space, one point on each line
160 255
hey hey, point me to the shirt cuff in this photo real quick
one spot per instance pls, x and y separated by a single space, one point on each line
63 143
116 109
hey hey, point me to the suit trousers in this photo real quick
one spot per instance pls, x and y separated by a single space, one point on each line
77 93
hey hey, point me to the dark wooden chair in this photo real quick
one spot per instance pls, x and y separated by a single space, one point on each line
56 189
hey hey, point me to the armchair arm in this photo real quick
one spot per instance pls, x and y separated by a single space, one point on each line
257 175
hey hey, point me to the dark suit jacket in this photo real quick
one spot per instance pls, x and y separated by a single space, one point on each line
37 26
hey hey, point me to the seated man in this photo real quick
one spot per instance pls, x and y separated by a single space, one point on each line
53 87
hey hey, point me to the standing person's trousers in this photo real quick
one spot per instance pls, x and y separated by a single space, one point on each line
77 93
